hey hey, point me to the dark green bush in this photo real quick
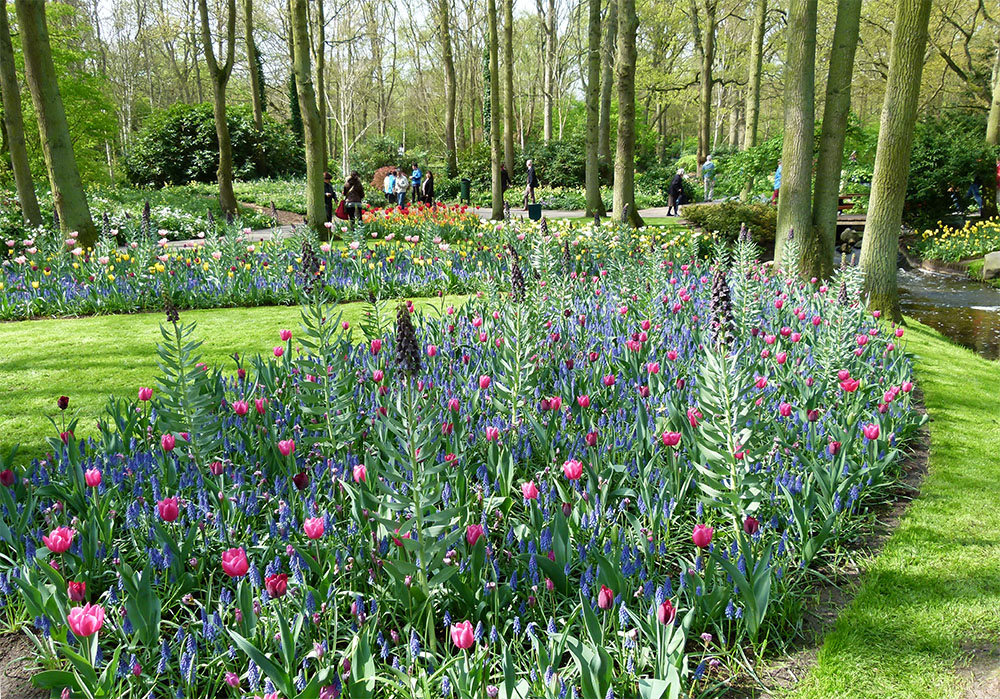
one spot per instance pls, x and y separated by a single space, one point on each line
727 217
178 145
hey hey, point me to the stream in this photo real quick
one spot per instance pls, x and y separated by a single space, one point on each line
965 311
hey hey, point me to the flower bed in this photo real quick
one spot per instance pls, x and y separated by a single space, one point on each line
610 479
956 244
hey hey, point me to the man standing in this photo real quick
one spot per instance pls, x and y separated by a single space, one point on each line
708 173
532 182
415 178
777 184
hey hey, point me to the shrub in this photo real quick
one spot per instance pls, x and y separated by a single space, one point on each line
178 145
727 217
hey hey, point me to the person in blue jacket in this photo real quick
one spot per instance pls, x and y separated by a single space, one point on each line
415 178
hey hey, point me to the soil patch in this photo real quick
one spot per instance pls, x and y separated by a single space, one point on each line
980 673
285 218
15 664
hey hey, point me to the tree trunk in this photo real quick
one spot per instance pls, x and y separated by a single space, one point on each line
444 8
607 84
624 192
219 75
880 245
508 88
756 67
255 91
795 199
496 154
551 27
705 47
57 147
321 78
10 96
818 248
993 123
315 155
592 98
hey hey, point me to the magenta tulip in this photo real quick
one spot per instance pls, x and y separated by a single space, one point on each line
241 407
665 612
145 393
529 490
484 382
605 598
360 473
235 563
86 620
168 441
169 509
462 635
286 447
286 335
871 431
77 591
573 469
473 533
313 527
92 477
702 535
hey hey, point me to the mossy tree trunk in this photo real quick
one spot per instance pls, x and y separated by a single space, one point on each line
752 109
592 170
496 153
795 198
315 155
219 75
255 88
320 34
448 58
508 85
57 146
624 192
818 248
607 83
703 21
880 246
10 96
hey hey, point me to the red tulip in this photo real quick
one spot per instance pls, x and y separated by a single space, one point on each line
276 585
702 535
63 402
751 525
77 591
665 612
301 480
7 478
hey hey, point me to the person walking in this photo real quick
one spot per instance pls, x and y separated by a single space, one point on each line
504 178
416 177
354 196
389 187
427 189
328 195
777 184
531 183
402 184
676 193
708 175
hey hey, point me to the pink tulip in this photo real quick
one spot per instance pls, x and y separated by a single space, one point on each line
907 386
278 351
260 405
86 620
286 447
168 509
871 431
760 382
453 404
378 375
286 335
314 527
529 490
77 591
168 441
241 408
462 635
145 393
605 598
784 410
473 533
702 535
233 680
59 539
432 350
665 612
360 473
583 401
849 385
492 434
235 563
833 448
653 367
670 439
484 382
608 380
376 346
573 469
92 477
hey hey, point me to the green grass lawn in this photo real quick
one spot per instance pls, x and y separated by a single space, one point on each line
89 359
933 594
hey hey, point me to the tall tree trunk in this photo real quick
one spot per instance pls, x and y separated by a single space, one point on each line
592 99
508 87
756 67
795 199
255 91
315 155
624 192
549 82
10 96
450 84
57 147
607 83
219 75
880 245
496 154
993 123
705 47
321 77
818 248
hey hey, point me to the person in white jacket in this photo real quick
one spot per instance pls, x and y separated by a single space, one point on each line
402 184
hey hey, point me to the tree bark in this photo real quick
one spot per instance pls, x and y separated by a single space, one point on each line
10 96
624 191
219 75
315 155
756 67
548 84
496 154
255 91
818 248
705 48
795 199
592 169
57 147
321 78
607 84
880 245
993 122
450 84
508 88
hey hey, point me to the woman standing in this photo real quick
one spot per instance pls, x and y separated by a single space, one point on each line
402 184
427 189
354 196
328 195
676 193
